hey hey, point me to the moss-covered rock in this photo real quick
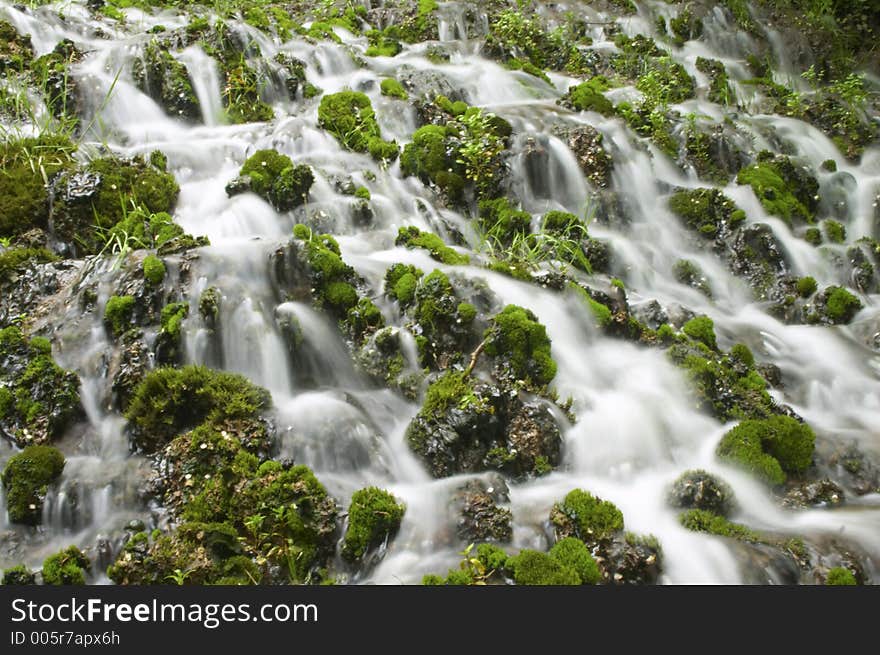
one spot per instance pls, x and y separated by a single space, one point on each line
19 575
118 314
62 91
720 90
770 448
531 567
698 489
574 554
520 346
38 399
432 157
583 515
68 567
478 514
587 145
26 477
783 188
374 517
501 222
171 400
349 116
699 520
702 329
707 212
167 345
413 237
273 176
24 197
154 270
588 96
393 89
94 199
840 575
833 306
158 74
401 281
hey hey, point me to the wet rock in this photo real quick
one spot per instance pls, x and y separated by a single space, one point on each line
630 561
756 255
127 368
586 143
716 154
29 290
702 490
651 313
855 469
469 426
479 517
823 493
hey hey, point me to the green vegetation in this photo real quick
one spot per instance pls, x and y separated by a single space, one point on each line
720 90
500 221
154 270
274 177
702 329
839 575
521 345
413 237
374 515
25 480
68 567
393 89
806 286
514 35
401 281
700 520
784 189
708 212
835 306
13 260
770 448
835 232
587 96
118 314
349 116
574 554
18 575
170 400
583 515
531 567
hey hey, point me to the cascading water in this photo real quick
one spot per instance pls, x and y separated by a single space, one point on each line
636 426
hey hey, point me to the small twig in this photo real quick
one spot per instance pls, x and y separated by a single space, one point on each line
474 357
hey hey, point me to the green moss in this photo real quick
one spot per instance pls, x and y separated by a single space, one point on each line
364 318
526 67
806 286
349 116
171 318
699 520
769 448
601 313
591 519
666 82
588 96
813 236
841 306
382 45
501 222
466 312
373 517
702 329
401 281
835 232
154 270
25 480
118 314
274 177
413 237
23 194
741 353
574 554
783 189
520 342
242 93
431 156
18 575
170 400
69 567
531 567
158 74
840 576
445 392
706 211
209 305
720 90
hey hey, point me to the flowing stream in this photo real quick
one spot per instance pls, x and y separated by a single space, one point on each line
636 429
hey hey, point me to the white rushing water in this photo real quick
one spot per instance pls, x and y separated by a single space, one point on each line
636 427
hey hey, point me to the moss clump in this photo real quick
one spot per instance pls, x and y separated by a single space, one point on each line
521 346
332 279
588 96
699 520
501 222
697 489
364 318
25 479
783 189
706 211
413 237
273 177
840 576
118 314
349 116
835 231
443 335
836 306
770 448
574 554
144 229
24 198
393 89
154 270
806 286
373 517
170 400
720 90
382 45
168 339
69 567
401 281
19 575
531 567
242 92
38 399
702 329
600 312
689 273
432 157
583 515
